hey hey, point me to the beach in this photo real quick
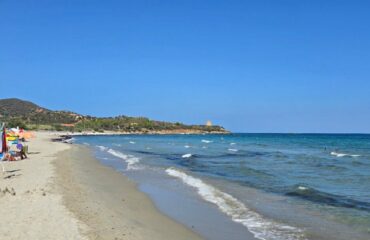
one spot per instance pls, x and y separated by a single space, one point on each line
166 120
248 186
35 209
62 192
184 187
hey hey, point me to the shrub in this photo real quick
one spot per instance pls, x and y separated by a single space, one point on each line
13 123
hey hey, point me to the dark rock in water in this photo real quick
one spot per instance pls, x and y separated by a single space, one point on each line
61 138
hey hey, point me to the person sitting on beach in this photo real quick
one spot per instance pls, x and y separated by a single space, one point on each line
13 153
9 157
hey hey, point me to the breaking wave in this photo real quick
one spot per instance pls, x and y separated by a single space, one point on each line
261 227
102 148
337 154
129 159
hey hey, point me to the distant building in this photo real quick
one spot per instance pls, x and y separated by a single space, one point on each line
209 123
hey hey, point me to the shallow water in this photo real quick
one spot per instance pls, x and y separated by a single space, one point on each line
276 186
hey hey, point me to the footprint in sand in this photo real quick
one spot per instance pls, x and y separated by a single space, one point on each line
8 191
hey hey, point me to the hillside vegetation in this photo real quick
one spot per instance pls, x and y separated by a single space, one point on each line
16 112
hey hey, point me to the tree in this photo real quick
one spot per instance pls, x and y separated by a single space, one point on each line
16 122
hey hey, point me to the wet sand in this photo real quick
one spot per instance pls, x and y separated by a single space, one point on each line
108 203
61 192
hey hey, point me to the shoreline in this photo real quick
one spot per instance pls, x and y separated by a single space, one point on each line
113 133
62 192
109 203
66 191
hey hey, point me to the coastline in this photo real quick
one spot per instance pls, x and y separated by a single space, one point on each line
109 203
62 192
66 191
217 206
115 133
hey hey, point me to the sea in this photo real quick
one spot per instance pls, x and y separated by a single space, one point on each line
250 186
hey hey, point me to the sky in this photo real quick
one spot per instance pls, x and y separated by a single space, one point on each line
250 66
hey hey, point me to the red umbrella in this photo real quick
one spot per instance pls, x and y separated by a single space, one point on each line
3 137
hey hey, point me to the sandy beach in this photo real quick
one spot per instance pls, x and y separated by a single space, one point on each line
35 209
62 192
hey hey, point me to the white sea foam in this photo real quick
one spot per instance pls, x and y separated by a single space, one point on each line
71 140
338 154
261 227
233 150
186 146
344 154
302 188
102 148
129 159
204 147
118 154
188 155
132 142
232 143
206 141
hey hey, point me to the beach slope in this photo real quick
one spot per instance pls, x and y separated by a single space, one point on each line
62 192
109 203
30 205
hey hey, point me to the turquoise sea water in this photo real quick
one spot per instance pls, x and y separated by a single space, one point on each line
276 186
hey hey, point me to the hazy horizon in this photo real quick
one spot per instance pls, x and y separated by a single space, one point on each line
254 67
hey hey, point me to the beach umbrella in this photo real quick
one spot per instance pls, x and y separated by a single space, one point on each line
14 130
3 141
11 137
26 135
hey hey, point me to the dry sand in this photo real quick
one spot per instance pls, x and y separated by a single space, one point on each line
62 192
36 210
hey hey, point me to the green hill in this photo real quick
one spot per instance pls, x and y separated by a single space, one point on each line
17 112
14 109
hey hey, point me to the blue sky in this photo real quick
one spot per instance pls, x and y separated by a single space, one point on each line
251 66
